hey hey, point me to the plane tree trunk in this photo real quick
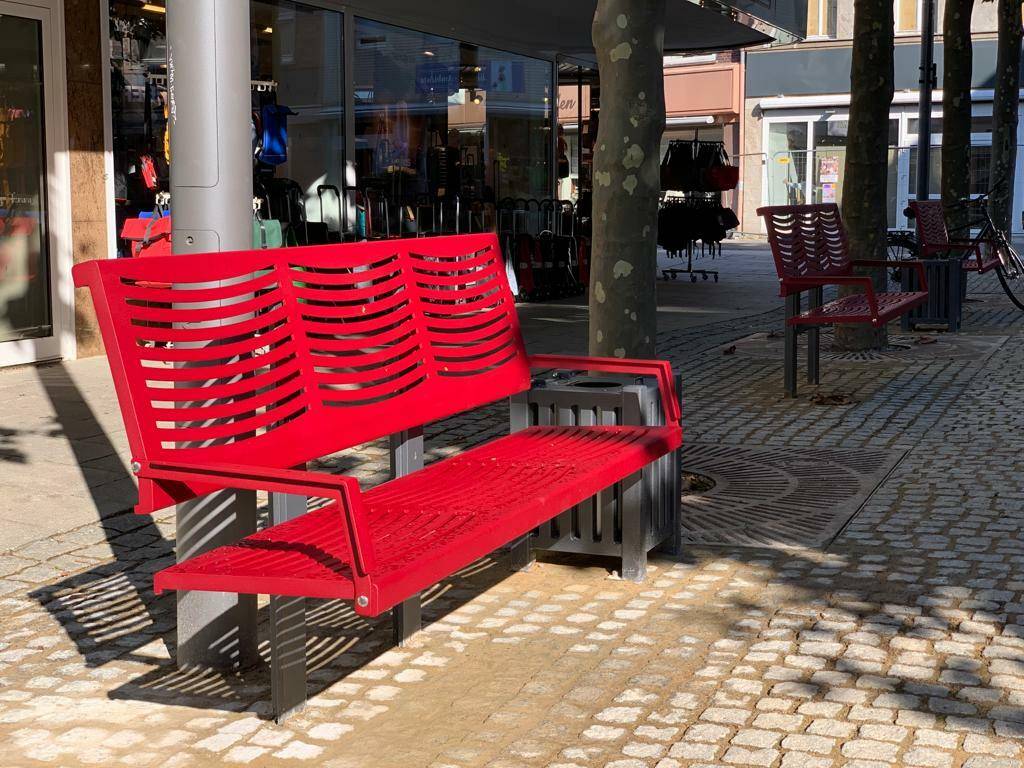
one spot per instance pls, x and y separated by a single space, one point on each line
956 108
867 153
1005 103
628 38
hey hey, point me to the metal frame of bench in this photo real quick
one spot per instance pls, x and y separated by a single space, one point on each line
811 250
933 238
233 370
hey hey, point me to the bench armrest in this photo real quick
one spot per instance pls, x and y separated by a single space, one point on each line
338 488
660 369
899 264
953 246
806 283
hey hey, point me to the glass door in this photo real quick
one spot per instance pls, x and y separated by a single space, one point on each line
33 315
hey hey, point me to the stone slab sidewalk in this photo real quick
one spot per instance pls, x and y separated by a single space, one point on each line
902 644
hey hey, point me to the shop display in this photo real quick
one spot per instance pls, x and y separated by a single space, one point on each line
697 172
443 129
548 258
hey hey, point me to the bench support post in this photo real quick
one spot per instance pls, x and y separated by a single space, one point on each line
215 629
789 363
406 449
634 529
521 554
815 298
406 452
406 620
287 628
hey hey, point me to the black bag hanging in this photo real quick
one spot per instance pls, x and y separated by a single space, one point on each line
680 168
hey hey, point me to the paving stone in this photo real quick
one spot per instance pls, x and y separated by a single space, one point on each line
903 644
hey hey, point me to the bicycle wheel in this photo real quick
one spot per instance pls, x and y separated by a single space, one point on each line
1011 274
901 245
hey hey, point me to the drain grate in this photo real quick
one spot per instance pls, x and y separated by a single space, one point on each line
778 497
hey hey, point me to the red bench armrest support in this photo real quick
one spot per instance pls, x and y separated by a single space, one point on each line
660 369
916 264
805 283
338 488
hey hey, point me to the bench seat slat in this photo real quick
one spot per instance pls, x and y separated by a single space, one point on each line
430 523
855 309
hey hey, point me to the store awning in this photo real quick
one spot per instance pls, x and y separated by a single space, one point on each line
554 27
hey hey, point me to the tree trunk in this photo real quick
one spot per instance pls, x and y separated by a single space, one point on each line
867 153
1005 103
629 42
956 108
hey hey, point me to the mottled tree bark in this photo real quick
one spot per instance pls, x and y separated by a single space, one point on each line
867 152
1005 103
629 42
956 108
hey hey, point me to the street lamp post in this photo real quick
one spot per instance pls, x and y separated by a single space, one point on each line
211 208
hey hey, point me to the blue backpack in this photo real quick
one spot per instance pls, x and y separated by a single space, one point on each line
274 148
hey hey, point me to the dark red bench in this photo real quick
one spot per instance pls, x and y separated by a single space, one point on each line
811 251
308 351
933 238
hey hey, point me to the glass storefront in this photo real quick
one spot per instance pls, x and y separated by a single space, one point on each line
441 127
441 124
25 307
298 97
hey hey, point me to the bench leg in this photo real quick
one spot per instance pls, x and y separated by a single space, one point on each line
521 554
215 629
789 362
406 451
814 340
634 529
287 628
406 619
287 656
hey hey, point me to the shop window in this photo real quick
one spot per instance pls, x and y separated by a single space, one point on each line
935 124
787 163
934 172
980 170
438 121
979 124
298 97
822 18
833 133
297 91
907 15
25 306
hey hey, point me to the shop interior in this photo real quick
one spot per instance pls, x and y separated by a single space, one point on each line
444 137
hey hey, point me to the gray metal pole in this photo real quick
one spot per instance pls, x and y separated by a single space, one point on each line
926 83
211 194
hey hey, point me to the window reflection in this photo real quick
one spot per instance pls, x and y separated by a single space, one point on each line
441 126
25 311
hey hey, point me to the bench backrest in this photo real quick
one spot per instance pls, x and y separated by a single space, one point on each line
304 351
930 221
807 240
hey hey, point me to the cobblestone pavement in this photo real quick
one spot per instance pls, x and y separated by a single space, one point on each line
901 645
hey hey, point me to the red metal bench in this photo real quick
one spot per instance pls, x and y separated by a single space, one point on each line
933 238
811 250
294 354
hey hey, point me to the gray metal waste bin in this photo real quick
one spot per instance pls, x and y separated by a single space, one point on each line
636 515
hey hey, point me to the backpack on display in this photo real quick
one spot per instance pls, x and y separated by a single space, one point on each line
273 148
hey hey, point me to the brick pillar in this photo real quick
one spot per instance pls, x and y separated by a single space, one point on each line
86 68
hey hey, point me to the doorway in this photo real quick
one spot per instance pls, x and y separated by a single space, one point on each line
36 296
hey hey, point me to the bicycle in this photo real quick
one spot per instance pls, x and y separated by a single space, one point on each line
1010 270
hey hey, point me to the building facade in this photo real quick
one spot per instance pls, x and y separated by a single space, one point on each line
796 109
353 102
